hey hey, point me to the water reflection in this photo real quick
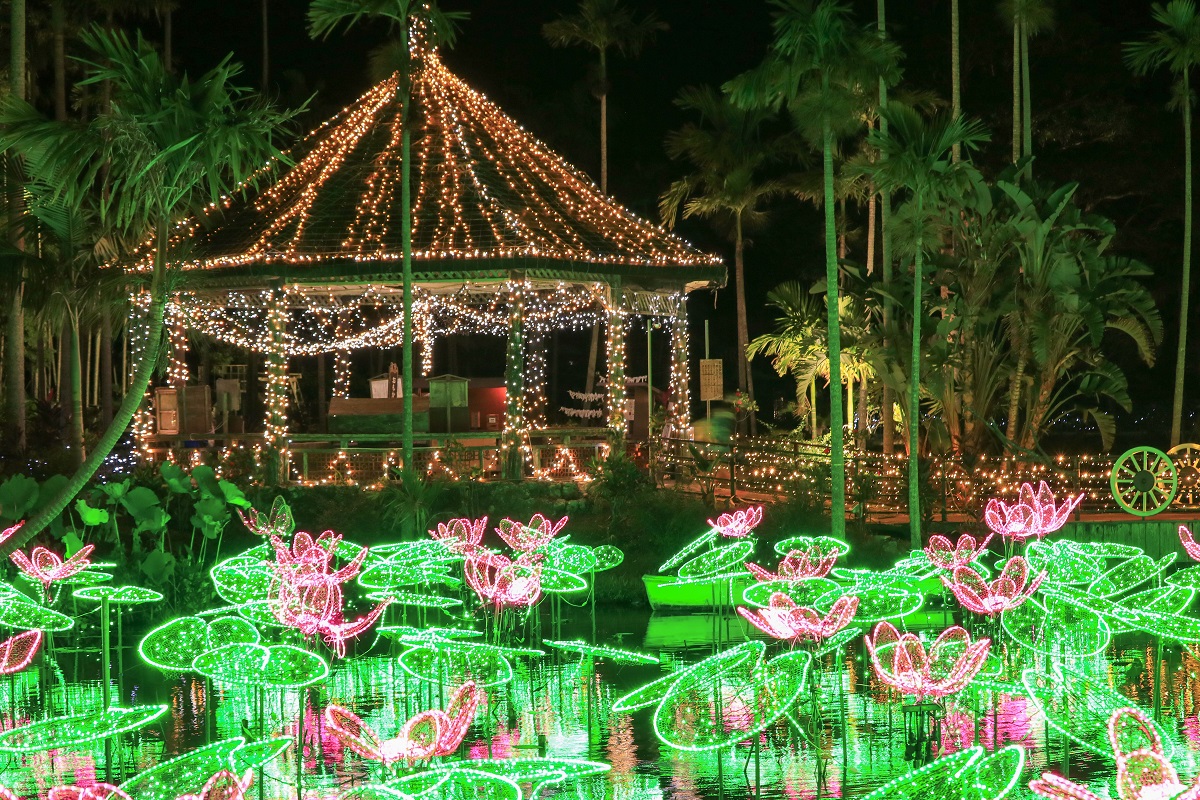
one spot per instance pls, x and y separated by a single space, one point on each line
561 707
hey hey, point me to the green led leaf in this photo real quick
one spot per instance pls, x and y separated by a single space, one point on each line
931 781
717 560
607 557
388 575
1186 578
71 732
279 666
876 605
1063 564
459 783
119 595
184 774
1124 576
1057 628
18 612
256 754
242 580
1170 626
573 558
423 551
645 696
407 633
804 593
1079 707
556 581
1104 549
413 599
534 772
261 613
613 654
174 645
827 544
230 630
838 641
455 663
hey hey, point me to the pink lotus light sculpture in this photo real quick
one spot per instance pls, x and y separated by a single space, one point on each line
1010 590
308 596
278 523
96 791
1142 774
1189 543
18 651
7 533
503 582
783 619
950 557
460 536
224 785
738 524
46 567
799 565
902 662
1034 515
428 734
527 538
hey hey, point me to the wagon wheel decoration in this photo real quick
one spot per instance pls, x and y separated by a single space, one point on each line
1187 464
1144 481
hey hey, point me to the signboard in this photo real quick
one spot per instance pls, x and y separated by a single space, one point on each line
712 379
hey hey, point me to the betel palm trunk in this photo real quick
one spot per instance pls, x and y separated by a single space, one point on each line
837 453
885 251
406 249
1016 92
745 380
955 77
1026 103
1185 289
913 418
76 378
14 341
138 384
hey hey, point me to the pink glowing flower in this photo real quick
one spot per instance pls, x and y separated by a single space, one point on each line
798 565
47 567
950 557
460 536
1143 773
425 735
503 582
783 619
902 662
1185 537
1010 590
97 791
1034 515
308 595
527 538
738 524
278 523
8 532
16 652
224 785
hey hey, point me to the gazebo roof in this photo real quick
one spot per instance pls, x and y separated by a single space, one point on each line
489 199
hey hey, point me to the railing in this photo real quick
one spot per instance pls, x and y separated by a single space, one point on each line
876 483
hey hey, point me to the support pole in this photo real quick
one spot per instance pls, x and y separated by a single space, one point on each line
680 388
514 385
277 391
105 688
615 353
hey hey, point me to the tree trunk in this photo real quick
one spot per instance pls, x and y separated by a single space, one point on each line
862 414
106 368
1026 104
955 78
1186 288
168 36
14 356
745 380
406 250
885 252
603 123
913 418
871 231
322 391
76 390
266 44
837 447
129 405
1014 396
812 409
1016 92
850 410
58 24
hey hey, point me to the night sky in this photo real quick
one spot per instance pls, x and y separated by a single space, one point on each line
1094 122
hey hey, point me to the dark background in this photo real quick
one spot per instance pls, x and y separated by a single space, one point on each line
1094 122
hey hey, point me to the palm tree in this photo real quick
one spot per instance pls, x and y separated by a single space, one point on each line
917 152
324 16
1028 18
955 76
816 69
604 25
729 152
165 147
1176 46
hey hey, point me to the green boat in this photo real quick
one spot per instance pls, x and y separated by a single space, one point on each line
668 592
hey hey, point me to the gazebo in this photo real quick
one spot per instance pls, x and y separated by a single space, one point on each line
507 239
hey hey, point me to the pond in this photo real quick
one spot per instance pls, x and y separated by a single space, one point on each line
561 707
